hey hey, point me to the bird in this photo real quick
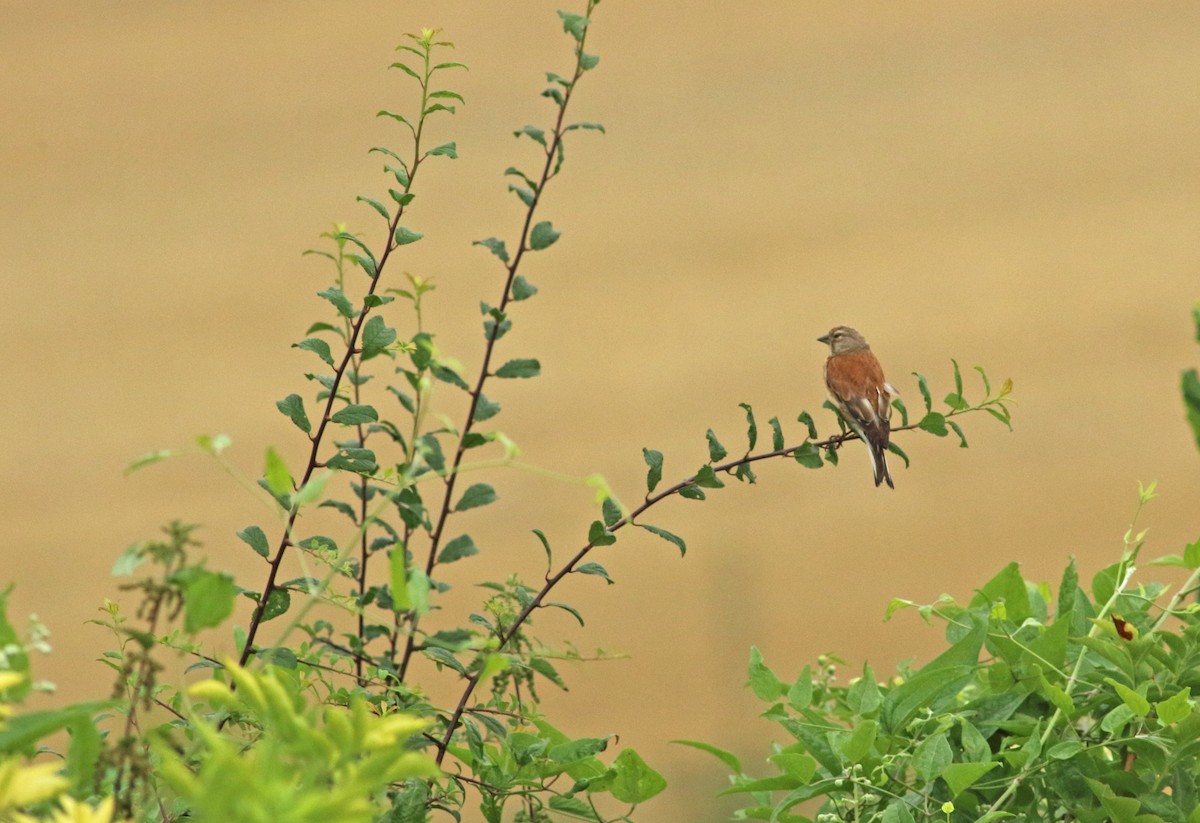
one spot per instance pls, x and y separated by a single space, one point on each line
857 387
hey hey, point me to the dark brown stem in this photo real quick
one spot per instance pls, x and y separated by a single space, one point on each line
553 580
317 438
485 367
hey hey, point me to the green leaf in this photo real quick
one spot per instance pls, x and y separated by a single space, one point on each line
574 24
587 62
485 409
593 568
1191 555
282 657
361 461
666 535
858 745
397 117
923 385
600 536
149 458
811 424
376 337
654 460
458 548
278 603
932 756
372 301
725 757
1190 387
402 198
312 490
519 368
279 479
962 438
375 204
1174 708
960 776
522 289
1137 703
479 494
767 687
404 236
546 546
340 302
496 247
417 587
355 414
808 456
1059 751
706 478
777 442
751 426
800 693
589 126
692 492
293 407
446 149
611 511
17 661
398 580
934 423
542 236
254 537
533 133
635 782
318 346
207 600
527 196
716 452
897 812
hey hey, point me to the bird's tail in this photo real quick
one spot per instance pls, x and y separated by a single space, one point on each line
879 463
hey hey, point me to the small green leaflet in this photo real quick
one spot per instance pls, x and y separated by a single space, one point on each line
600 536
278 603
354 414
668 536
654 460
318 347
495 246
405 236
594 568
293 407
542 236
716 451
480 494
207 600
446 149
457 549
254 537
279 479
339 300
525 367
376 337
751 426
522 289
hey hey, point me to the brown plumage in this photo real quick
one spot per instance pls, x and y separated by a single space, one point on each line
856 385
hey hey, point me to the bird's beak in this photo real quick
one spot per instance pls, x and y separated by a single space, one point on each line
823 339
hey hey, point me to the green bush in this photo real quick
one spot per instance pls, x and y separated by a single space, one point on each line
330 718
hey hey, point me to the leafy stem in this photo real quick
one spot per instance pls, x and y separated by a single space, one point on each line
405 177
550 168
730 467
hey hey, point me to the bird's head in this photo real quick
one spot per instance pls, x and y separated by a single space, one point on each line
843 339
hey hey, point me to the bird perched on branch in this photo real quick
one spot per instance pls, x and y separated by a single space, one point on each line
856 385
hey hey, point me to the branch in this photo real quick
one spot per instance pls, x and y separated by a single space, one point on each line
548 171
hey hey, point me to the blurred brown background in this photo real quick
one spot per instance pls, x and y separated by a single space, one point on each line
1011 184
